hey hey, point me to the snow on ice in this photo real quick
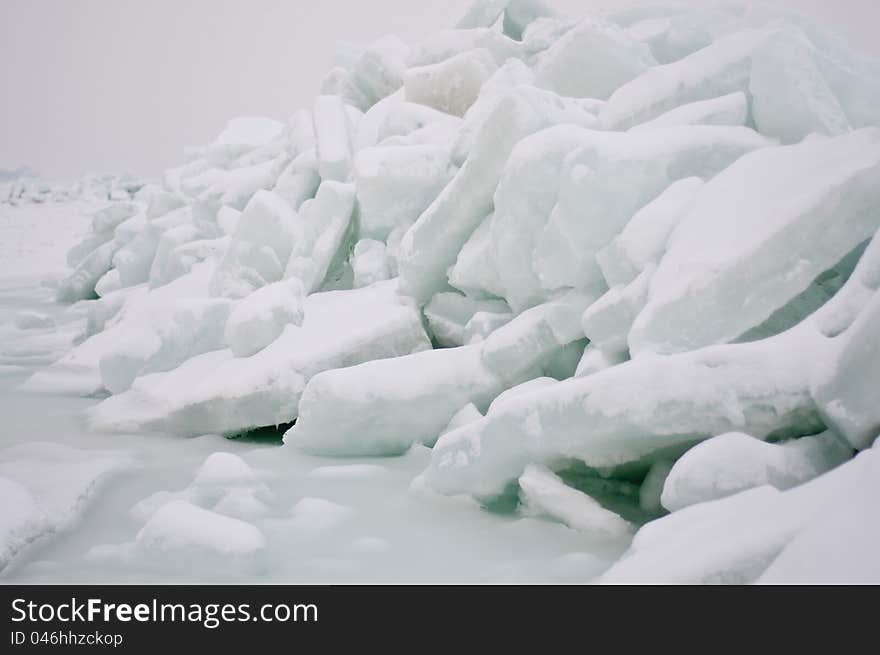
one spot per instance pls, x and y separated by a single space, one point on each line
613 277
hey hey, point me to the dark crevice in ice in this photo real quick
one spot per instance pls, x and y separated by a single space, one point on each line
269 434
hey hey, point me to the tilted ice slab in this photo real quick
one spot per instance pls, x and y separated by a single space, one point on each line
445 44
431 245
217 392
298 181
261 245
370 262
396 183
847 393
782 536
332 138
241 135
511 74
790 95
524 199
757 236
607 181
731 109
323 236
632 412
451 85
719 69
481 13
735 462
187 328
93 256
375 74
838 547
607 321
592 60
566 191
674 30
79 372
643 241
44 486
383 407
543 493
260 318
653 406
449 314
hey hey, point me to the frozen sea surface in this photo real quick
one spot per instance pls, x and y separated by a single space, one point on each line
320 520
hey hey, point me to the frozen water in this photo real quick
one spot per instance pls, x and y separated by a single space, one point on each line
332 138
407 400
787 534
432 244
565 275
732 109
632 413
217 392
446 44
643 241
261 245
544 493
325 237
563 67
45 486
790 97
846 396
370 262
395 184
260 318
757 236
451 85
449 314
734 462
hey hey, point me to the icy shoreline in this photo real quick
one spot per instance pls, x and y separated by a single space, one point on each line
599 286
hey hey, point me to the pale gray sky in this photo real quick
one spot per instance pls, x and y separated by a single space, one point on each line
113 85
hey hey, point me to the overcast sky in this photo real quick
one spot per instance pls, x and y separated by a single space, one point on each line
113 85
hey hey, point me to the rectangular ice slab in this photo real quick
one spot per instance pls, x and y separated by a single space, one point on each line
219 393
732 109
735 462
544 493
332 138
592 61
635 411
824 531
324 236
125 317
451 85
384 407
395 184
432 244
723 67
757 236
849 392
605 182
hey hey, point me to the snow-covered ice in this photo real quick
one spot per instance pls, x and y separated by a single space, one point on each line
530 298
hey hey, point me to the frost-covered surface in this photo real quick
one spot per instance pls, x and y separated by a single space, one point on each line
565 274
44 486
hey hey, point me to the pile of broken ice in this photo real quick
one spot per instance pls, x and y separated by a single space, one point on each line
30 189
620 266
